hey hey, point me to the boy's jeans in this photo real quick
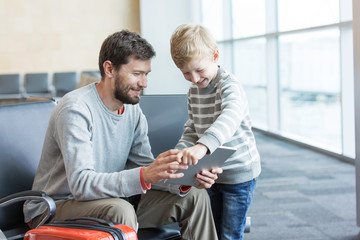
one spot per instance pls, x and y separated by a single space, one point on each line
230 203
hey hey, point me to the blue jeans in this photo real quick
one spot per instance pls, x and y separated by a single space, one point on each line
230 203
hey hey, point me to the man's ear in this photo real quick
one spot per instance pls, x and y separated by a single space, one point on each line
216 55
108 68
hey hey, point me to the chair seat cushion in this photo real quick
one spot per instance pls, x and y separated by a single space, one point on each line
158 233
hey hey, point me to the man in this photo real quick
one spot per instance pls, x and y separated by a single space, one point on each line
96 153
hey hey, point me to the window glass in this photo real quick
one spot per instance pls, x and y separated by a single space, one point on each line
212 17
248 18
250 69
295 14
309 68
225 55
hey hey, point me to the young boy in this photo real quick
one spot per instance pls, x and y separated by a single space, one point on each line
218 115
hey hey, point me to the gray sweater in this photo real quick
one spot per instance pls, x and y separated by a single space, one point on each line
91 153
219 115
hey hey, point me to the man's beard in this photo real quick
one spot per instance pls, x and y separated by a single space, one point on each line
121 93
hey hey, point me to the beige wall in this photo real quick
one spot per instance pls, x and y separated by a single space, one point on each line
59 35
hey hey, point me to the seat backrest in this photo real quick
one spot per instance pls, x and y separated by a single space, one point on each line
10 84
166 116
22 132
37 83
65 82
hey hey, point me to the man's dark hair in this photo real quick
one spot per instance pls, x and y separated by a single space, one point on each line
119 46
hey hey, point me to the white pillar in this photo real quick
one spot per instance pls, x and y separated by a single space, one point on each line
158 20
356 35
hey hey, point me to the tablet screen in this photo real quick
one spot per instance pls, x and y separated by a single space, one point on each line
216 159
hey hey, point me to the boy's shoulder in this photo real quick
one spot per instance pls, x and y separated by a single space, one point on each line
225 77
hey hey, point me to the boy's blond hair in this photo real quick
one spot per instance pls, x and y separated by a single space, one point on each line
191 41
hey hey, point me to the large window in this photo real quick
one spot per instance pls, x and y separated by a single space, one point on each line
248 18
295 14
294 59
250 68
309 74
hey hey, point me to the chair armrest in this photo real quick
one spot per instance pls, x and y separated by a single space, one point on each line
31 195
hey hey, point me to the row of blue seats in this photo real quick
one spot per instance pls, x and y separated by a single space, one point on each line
14 86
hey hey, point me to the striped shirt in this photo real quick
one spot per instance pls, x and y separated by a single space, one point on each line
219 116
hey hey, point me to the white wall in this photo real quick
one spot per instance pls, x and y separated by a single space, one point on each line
55 36
158 20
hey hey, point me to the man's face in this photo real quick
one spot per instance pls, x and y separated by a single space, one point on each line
131 79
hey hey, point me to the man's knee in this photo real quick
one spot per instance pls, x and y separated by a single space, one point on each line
198 195
197 200
120 211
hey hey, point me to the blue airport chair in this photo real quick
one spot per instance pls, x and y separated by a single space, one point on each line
65 82
10 86
37 84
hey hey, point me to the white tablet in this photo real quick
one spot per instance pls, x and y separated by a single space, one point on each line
216 159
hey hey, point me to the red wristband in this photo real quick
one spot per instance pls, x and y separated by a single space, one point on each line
144 185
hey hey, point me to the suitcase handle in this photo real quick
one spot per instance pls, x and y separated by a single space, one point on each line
92 219
92 224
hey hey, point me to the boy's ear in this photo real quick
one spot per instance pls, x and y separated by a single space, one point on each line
216 55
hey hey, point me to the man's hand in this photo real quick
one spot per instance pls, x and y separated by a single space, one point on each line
191 155
206 178
164 167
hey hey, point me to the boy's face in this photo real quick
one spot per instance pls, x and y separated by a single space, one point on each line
201 71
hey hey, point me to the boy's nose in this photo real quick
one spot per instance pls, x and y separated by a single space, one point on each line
195 78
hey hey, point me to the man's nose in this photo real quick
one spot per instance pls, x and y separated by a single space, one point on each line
143 82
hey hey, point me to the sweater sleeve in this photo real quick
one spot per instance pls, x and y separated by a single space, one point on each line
174 189
189 136
234 108
140 152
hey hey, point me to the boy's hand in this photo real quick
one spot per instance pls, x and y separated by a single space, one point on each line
191 155
208 178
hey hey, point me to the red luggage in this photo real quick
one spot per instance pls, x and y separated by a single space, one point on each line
82 228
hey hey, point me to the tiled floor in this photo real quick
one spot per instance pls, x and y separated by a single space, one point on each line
302 194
